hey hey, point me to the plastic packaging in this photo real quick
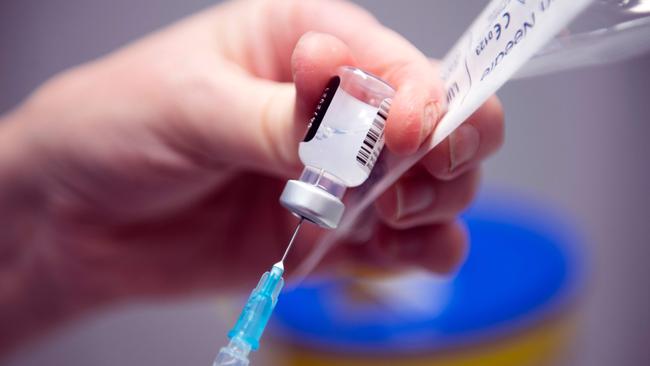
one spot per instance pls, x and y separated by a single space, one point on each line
606 32
504 37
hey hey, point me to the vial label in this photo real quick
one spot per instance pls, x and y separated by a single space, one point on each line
374 141
344 132
321 108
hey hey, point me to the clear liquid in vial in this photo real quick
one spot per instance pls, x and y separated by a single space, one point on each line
339 138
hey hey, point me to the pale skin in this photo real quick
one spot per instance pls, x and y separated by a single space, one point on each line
156 170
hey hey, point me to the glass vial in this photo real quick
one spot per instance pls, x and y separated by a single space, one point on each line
343 141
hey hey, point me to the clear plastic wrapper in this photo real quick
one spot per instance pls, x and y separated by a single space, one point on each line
607 31
510 38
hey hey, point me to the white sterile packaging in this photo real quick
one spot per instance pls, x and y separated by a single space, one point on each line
506 36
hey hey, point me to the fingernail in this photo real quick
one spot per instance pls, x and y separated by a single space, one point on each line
429 118
463 145
413 198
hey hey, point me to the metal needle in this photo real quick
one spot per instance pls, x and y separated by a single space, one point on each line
293 237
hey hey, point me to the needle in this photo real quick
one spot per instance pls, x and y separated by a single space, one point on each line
293 237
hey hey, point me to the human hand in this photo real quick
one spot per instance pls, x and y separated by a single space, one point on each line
157 169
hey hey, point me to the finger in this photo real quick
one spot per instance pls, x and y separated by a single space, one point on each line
413 115
418 199
313 63
315 60
418 102
266 127
439 248
417 105
477 138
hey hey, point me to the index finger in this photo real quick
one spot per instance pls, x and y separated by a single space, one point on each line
418 103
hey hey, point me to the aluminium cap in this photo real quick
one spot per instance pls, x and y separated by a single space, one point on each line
313 203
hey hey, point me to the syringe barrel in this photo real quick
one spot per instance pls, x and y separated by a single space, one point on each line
258 309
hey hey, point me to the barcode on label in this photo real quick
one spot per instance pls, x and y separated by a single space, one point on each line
374 141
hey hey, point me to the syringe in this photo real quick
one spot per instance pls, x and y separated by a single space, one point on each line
245 335
342 144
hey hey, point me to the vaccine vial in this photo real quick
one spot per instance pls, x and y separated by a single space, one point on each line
343 141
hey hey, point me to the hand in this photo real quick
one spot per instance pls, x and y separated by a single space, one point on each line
157 169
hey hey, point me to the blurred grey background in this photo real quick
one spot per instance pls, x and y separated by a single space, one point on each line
576 139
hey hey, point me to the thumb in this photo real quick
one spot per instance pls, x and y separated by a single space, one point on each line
282 111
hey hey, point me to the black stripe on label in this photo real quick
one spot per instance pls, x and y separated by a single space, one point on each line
321 108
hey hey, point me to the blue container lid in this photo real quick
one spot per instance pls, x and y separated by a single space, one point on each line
522 265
